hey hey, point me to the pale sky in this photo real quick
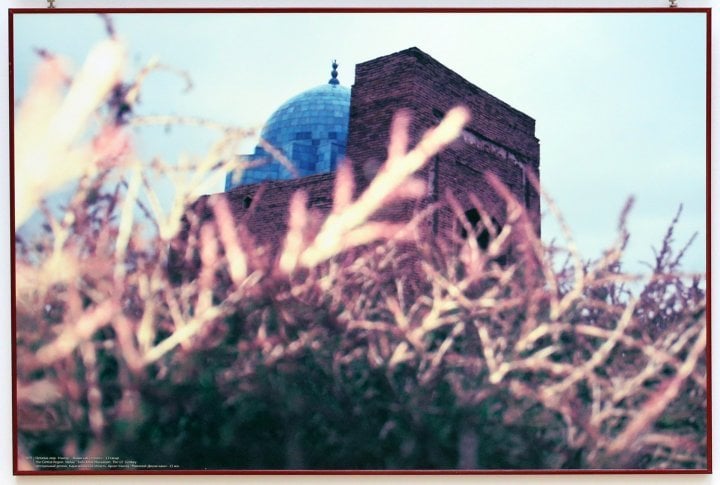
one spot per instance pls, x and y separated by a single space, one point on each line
618 99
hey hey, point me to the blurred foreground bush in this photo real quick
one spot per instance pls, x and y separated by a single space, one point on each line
362 345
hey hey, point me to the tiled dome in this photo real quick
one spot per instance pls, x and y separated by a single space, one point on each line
320 113
310 129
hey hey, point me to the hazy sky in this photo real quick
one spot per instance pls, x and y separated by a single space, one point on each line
618 99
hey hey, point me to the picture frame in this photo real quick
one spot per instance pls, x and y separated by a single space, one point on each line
64 351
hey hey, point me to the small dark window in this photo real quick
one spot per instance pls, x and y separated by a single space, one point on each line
483 236
247 201
303 135
332 135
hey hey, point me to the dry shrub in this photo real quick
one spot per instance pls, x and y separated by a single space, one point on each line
361 345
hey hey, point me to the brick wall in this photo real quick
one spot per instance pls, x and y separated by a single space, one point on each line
499 138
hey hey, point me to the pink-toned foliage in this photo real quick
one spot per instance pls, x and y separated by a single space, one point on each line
361 345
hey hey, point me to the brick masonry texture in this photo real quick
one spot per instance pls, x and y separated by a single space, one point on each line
499 139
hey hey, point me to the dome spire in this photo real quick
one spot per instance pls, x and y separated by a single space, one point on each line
334 80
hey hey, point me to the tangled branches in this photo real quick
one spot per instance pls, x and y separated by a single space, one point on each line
362 344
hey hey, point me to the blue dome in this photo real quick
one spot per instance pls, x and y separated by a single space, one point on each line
310 129
320 113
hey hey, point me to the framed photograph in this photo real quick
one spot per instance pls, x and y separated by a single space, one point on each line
360 240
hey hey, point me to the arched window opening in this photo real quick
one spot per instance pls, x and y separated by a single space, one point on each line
483 234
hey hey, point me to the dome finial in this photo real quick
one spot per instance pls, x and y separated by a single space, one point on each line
334 80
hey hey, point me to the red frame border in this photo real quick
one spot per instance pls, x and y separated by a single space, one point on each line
289 10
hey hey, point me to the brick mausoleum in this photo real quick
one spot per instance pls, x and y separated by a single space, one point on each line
318 128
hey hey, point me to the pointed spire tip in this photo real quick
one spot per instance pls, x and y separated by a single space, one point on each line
334 74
